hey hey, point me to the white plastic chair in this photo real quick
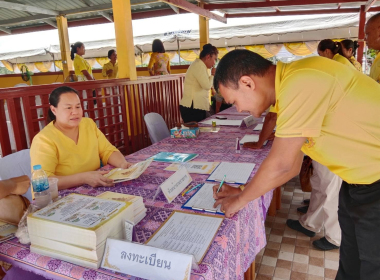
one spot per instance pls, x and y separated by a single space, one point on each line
157 127
15 165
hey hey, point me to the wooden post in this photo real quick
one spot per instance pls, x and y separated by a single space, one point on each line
204 37
362 15
124 38
64 43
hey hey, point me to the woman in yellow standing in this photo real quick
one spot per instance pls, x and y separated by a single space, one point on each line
159 63
111 69
349 51
82 68
330 49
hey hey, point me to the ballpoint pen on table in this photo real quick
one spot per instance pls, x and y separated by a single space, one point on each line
197 186
185 191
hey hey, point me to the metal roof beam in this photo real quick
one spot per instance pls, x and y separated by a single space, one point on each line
51 23
27 8
183 4
5 30
297 13
275 3
107 16
175 9
368 5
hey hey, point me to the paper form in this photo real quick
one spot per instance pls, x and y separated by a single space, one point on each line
187 233
203 200
236 173
251 138
198 167
223 122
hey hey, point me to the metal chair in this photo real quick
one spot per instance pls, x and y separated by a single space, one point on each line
157 127
15 165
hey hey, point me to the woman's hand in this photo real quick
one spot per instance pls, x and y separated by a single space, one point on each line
230 205
97 179
213 70
126 165
225 191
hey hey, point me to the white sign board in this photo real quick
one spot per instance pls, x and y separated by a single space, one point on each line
145 261
175 184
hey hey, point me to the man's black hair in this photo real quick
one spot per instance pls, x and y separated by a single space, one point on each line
238 63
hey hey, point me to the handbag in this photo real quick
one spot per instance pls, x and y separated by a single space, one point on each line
305 174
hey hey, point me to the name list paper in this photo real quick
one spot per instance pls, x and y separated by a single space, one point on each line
175 184
187 233
236 173
223 122
203 200
198 167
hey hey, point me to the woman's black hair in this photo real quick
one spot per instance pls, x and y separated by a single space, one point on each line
349 44
328 44
110 52
208 49
74 48
158 46
54 98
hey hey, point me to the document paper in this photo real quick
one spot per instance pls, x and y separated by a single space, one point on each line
187 233
203 200
251 138
236 173
198 167
223 122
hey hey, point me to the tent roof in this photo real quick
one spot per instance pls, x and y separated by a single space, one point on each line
304 28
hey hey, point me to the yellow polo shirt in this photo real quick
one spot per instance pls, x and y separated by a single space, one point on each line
375 69
81 64
114 68
59 155
337 109
343 60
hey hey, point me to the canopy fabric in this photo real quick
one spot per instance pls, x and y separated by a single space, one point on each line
261 50
299 49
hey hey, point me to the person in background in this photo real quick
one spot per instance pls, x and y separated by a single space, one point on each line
159 63
195 102
82 69
330 49
218 103
372 38
71 147
348 50
111 68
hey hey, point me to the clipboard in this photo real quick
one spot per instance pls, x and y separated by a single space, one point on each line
211 211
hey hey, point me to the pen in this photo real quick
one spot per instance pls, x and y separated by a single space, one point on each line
197 186
221 184
185 191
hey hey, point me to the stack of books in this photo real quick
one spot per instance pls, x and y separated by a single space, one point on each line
76 227
139 209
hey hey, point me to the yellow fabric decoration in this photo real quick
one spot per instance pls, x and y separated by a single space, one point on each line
91 61
29 65
274 49
260 49
299 48
312 45
222 52
43 66
171 54
58 63
102 60
8 65
188 55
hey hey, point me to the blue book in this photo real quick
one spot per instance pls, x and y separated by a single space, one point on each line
173 157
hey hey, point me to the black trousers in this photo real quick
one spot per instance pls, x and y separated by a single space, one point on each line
359 218
191 114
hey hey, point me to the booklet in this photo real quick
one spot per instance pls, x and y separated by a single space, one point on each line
7 231
131 173
173 157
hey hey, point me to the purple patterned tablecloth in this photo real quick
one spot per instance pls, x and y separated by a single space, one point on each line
236 244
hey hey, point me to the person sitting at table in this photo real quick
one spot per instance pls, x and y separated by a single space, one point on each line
348 50
195 102
330 49
159 63
71 146
111 69
329 112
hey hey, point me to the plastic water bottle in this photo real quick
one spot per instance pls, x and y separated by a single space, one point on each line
40 185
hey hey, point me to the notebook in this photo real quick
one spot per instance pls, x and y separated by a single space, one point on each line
173 157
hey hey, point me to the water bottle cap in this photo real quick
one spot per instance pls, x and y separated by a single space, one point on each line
37 167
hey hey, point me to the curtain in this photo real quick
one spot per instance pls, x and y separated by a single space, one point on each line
260 49
43 66
312 45
102 60
299 48
188 55
91 61
8 65
222 52
58 63
29 65
274 49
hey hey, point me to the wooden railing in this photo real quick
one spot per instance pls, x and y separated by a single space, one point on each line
118 107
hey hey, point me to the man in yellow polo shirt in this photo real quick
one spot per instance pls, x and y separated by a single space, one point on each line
372 38
329 112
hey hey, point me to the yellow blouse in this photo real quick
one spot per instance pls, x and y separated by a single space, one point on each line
110 66
375 69
81 64
60 156
356 63
160 63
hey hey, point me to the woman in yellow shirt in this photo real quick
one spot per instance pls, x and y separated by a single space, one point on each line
70 147
159 63
330 49
348 50
111 69
82 69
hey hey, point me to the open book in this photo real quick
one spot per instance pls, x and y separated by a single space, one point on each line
133 172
